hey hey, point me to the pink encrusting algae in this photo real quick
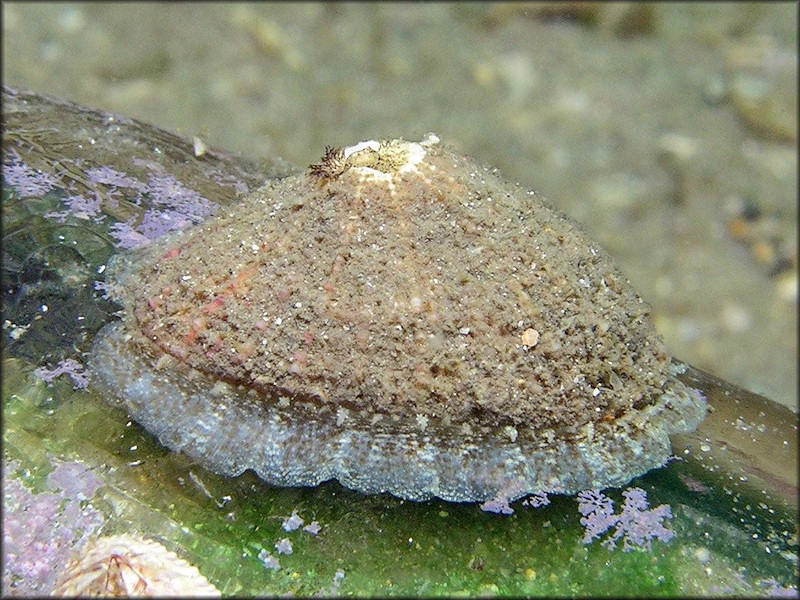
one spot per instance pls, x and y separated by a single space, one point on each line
70 367
41 530
637 524
171 205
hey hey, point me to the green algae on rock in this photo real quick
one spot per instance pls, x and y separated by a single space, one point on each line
402 320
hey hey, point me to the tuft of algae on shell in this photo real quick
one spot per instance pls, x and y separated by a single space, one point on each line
402 320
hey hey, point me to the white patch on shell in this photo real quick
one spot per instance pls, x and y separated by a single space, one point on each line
398 156
511 432
431 139
422 422
373 175
415 155
371 144
219 389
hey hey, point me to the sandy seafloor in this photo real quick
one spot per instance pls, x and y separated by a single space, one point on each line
652 140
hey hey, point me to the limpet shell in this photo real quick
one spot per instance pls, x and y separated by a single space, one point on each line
372 320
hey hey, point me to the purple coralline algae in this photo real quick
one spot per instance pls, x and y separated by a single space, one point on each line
74 480
283 546
171 205
498 505
313 528
270 562
40 531
78 206
114 179
501 504
70 367
24 180
292 522
537 500
397 318
174 207
636 524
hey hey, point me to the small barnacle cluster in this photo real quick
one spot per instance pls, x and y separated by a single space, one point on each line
384 157
126 565
332 165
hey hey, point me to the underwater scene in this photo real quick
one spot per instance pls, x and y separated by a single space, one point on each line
384 368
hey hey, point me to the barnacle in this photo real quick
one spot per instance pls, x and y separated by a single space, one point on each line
332 165
388 157
124 566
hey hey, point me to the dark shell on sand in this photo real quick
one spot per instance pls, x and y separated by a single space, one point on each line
402 320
